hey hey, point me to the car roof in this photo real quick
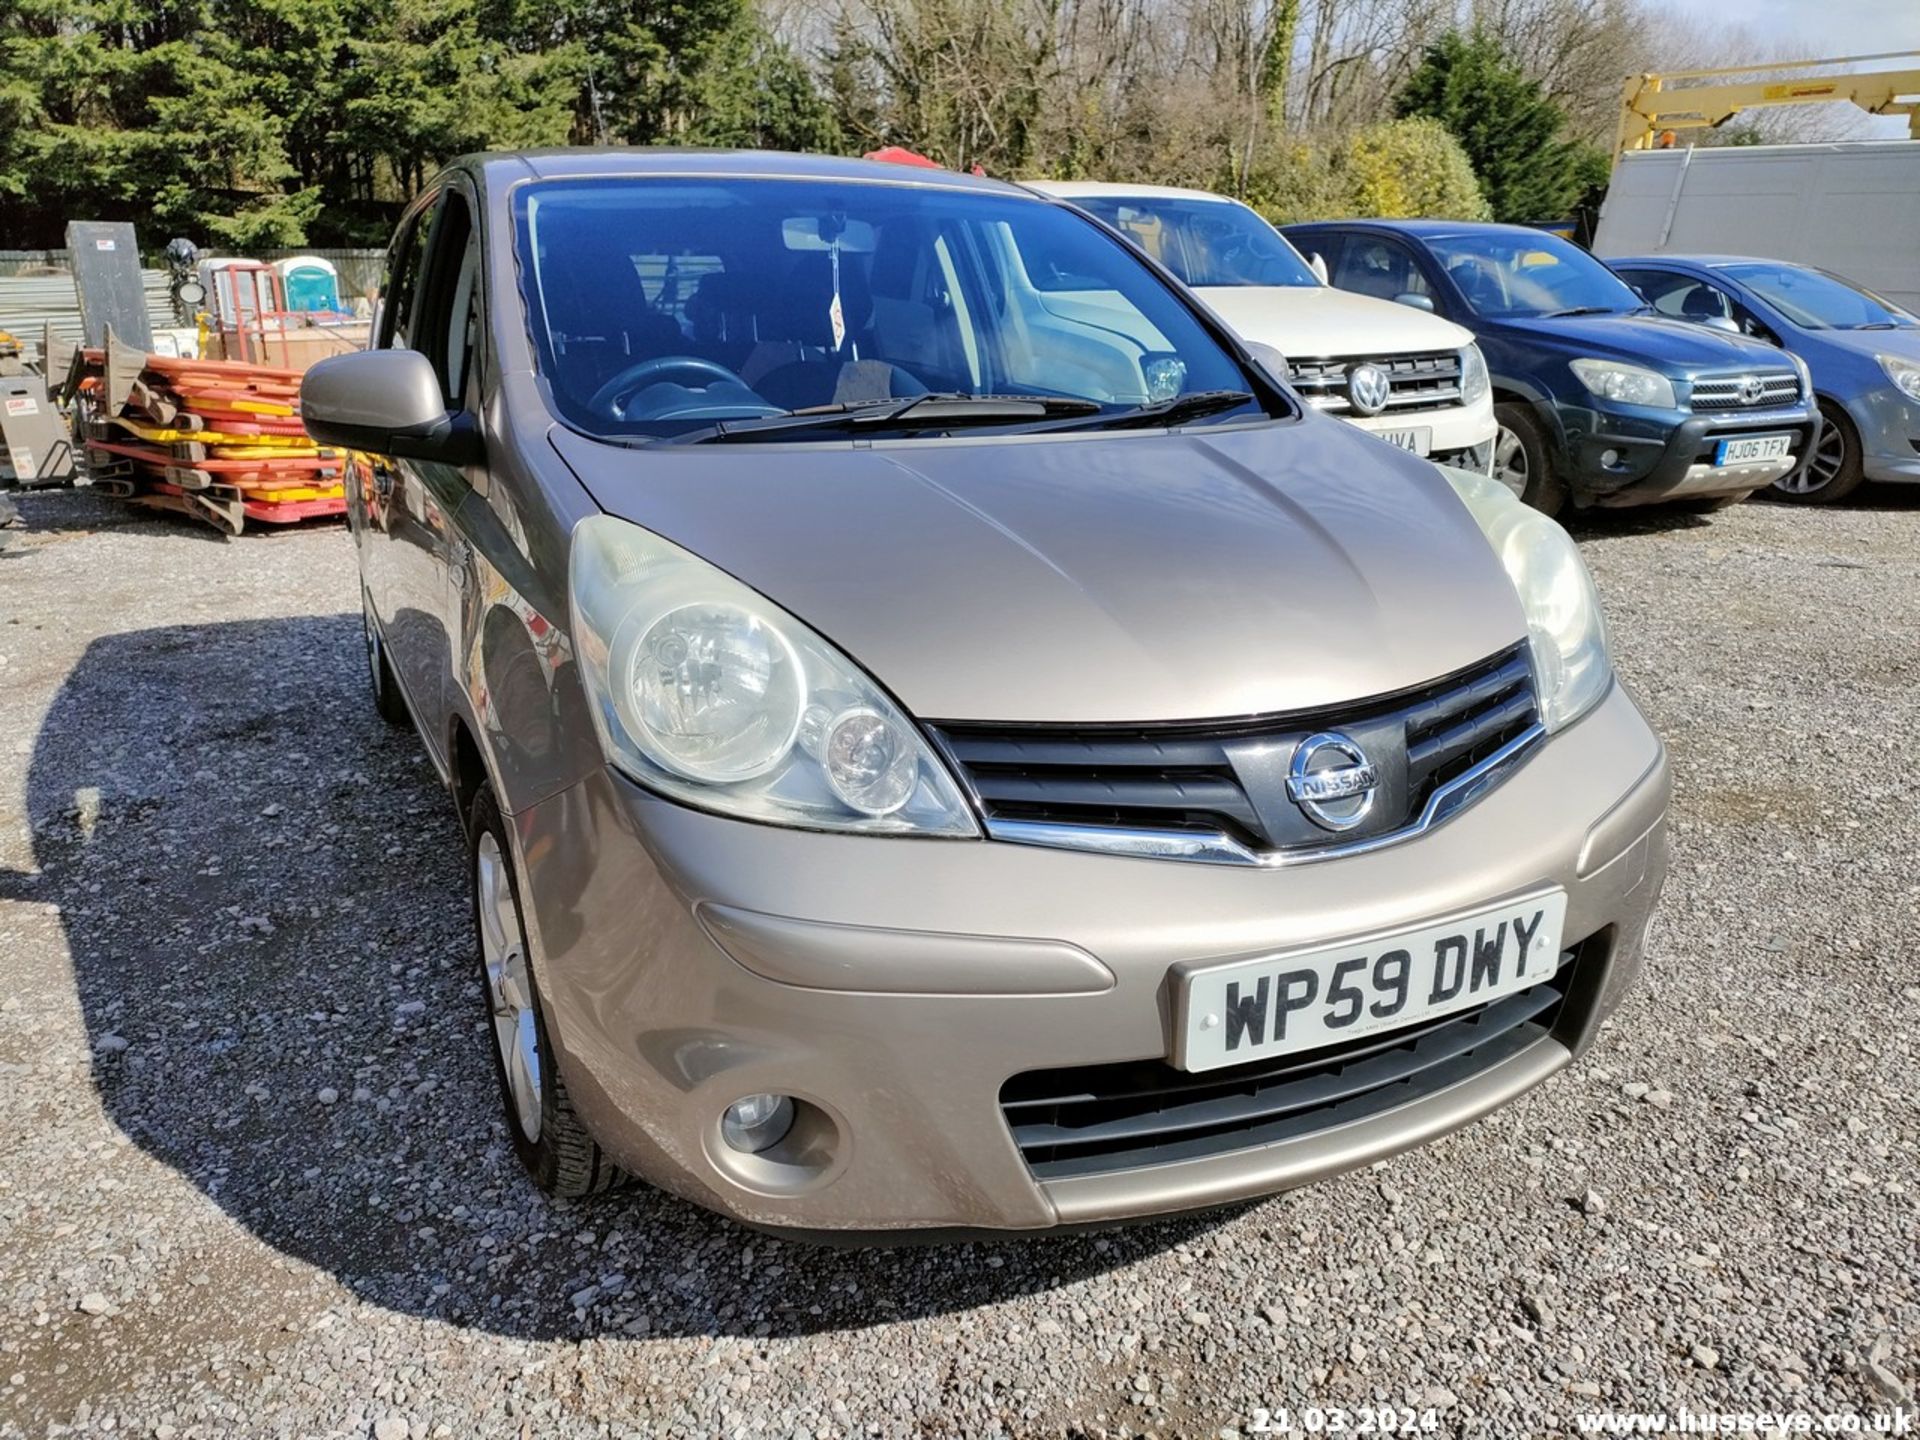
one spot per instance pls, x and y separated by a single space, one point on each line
1072 189
1706 262
1421 229
646 161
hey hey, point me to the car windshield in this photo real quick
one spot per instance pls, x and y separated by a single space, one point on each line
667 307
1529 275
1204 242
1819 301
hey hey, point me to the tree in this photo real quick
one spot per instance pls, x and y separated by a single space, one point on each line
961 81
1512 133
261 124
1406 169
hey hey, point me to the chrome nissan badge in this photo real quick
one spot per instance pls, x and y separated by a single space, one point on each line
1368 389
1332 781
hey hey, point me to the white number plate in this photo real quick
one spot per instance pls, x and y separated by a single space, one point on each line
1252 1009
1751 448
1419 439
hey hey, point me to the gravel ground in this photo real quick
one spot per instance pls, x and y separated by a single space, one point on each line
252 1179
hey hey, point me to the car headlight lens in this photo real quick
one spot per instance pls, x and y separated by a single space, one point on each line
1903 372
704 690
1806 377
1624 384
1568 633
1473 375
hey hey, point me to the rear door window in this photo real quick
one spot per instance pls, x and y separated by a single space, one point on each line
1386 269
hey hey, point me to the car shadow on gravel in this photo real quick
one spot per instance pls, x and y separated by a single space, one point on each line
264 900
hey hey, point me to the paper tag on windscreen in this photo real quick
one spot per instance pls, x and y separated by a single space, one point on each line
839 321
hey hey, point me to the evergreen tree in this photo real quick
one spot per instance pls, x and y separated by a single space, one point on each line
259 124
1513 134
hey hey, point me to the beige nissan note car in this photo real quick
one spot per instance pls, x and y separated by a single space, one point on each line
933 760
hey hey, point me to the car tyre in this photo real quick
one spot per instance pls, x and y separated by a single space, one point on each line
387 699
1523 460
559 1154
1833 471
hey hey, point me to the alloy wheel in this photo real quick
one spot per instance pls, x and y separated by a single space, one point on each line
503 952
1510 462
1828 458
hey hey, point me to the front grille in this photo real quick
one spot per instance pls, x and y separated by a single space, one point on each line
1725 392
1091 1119
1226 778
1425 381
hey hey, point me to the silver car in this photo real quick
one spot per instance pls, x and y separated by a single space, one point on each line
946 740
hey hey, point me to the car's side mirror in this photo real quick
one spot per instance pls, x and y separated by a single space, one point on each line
1270 360
1418 302
385 402
1721 322
1317 263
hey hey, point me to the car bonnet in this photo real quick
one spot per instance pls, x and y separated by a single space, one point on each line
1119 578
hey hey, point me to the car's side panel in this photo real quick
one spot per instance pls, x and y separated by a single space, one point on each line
512 682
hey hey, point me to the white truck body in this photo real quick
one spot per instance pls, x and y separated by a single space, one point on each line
1852 208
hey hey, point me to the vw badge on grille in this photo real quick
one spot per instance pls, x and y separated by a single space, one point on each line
1332 781
1752 390
1368 389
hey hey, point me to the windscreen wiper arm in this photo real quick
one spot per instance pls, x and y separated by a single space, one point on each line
1170 412
938 411
1573 310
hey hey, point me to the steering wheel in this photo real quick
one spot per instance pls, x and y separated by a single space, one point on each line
608 396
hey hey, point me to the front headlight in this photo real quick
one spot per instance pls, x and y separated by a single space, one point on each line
1806 377
1568 634
1903 372
1473 374
1624 384
706 691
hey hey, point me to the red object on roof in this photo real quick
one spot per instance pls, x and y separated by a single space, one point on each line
900 155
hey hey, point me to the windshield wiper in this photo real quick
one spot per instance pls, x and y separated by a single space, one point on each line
1573 310
1176 411
1879 325
938 411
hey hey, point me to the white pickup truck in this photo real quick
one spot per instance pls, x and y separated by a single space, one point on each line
1405 375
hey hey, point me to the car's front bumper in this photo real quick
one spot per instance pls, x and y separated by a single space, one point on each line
1459 435
1888 423
1632 456
895 984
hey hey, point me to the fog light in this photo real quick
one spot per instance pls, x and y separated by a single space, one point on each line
757 1122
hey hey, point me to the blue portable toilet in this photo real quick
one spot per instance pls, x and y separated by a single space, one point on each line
309 283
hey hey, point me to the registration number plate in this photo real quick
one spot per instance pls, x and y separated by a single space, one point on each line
1252 1009
1418 439
1748 449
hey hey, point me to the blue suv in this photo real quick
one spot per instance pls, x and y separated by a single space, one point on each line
1600 400
1863 351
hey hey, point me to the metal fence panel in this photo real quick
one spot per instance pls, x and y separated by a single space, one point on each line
29 302
29 297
